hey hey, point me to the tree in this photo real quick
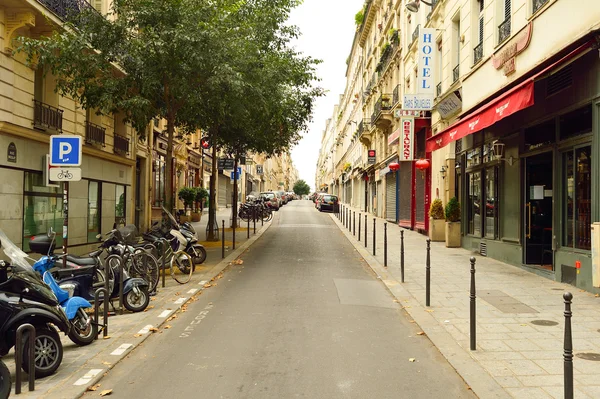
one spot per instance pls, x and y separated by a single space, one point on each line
301 188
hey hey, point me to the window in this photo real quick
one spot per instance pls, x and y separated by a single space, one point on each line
504 27
576 122
120 205
474 203
93 213
577 193
159 180
478 48
491 203
482 192
42 209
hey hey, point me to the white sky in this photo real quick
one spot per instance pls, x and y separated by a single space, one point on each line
327 28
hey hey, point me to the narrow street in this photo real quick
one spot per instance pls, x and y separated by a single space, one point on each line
303 316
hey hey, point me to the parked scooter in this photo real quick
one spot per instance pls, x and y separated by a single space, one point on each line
24 298
5 381
84 275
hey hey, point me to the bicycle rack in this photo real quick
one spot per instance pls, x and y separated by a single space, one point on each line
104 325
19 354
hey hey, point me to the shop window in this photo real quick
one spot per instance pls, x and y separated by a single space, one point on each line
120 205
474 203
576 123
42 209
159 181
540 135
93 213
491 203
474 157
577 198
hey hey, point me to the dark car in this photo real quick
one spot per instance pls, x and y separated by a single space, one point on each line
328 202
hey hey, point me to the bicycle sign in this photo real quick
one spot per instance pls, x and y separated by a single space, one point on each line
65 174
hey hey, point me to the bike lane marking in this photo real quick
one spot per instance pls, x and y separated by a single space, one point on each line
146 329
197 320
193 291
180 301
121 349
164 313
202 282
88 377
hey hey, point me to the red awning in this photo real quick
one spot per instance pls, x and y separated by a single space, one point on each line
514 100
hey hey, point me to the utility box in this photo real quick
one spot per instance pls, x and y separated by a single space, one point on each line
596 254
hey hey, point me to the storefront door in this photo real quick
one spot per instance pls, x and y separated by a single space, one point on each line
538 230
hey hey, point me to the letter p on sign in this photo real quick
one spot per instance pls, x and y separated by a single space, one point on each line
65 150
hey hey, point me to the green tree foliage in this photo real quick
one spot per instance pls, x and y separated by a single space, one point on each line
301 188
453 210
436 210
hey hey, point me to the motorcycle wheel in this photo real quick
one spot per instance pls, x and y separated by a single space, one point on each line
135 302
48 352
5 381
83 329
198 254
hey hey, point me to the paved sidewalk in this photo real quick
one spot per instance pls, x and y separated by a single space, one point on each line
515 357
83 367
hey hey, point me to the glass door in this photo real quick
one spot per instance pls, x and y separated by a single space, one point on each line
538 209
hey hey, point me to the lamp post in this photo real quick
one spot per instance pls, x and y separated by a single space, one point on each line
413 6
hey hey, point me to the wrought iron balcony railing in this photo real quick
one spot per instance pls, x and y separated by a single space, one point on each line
504 30
438 89
455 73
415 33
66 9
396 95
121 144
477 53
46 116
94 134
537 4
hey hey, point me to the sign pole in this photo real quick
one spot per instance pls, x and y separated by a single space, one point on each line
65 221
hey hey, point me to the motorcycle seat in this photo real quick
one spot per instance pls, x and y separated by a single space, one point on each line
82 261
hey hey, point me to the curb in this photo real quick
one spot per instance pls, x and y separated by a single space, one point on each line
216 270
481 383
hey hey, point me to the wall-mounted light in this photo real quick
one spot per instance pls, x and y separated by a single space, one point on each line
413 6
443 171
498 148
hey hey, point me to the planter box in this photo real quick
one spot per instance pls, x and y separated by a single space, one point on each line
437 232
196 216
184 218
453 234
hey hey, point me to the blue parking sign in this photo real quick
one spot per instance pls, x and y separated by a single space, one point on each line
65 150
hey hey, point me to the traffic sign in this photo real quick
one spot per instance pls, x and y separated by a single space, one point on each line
205 143
65 150
236 177
65 174
225 163
259 169
371 157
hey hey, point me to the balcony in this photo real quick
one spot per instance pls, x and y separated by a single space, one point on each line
438 89
371 84
537 4
94 134
121 145
65 9
504 30
477 54
396 96
415 34
381 116
47 117
364 131
455 73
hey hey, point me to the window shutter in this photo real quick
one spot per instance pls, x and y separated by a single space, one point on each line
481 29
98 5
506 9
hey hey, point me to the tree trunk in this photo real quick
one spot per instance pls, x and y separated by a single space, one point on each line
169 166
212 199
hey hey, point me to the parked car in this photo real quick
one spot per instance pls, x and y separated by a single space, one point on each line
271 199
328 202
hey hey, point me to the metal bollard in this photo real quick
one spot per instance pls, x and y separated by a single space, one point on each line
359 219
18 357
428 275
350 220
104 324
473 314
223 239
121 266
233 234
568 347
402 255
374 244
354 223
254 220
385 244
248 229
365 231
164 261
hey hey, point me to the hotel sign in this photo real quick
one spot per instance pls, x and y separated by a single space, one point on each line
423 99
407 139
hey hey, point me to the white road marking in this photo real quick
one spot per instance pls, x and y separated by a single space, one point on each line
202 282
193 291
146 329
121 349
164 313
180 301
88 377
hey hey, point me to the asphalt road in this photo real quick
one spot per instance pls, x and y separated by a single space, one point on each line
302 317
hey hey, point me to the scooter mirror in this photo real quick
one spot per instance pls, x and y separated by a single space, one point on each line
98 236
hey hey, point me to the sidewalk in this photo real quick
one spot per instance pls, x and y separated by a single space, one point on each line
520 321
83 367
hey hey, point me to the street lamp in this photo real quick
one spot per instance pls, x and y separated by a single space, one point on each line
413 6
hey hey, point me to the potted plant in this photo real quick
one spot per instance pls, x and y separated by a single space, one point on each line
187 195
436 221
453 223
201 194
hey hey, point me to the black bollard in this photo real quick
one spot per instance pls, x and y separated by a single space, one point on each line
568 346
385 244
354 223
374 244
359 219
402 255
473 315
365 231
347 218
428 275
254 219
248 229
223 240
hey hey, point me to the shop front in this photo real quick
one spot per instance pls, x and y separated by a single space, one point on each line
526 175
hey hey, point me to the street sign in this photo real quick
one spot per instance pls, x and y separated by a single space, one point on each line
205 143
225 163
371 157
65 174
65 150
259 169
236 177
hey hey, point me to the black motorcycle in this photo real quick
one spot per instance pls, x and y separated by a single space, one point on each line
24 298
5 382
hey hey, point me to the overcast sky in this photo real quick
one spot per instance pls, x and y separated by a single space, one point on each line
327 28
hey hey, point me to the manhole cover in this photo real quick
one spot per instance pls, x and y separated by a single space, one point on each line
589 356
544 323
